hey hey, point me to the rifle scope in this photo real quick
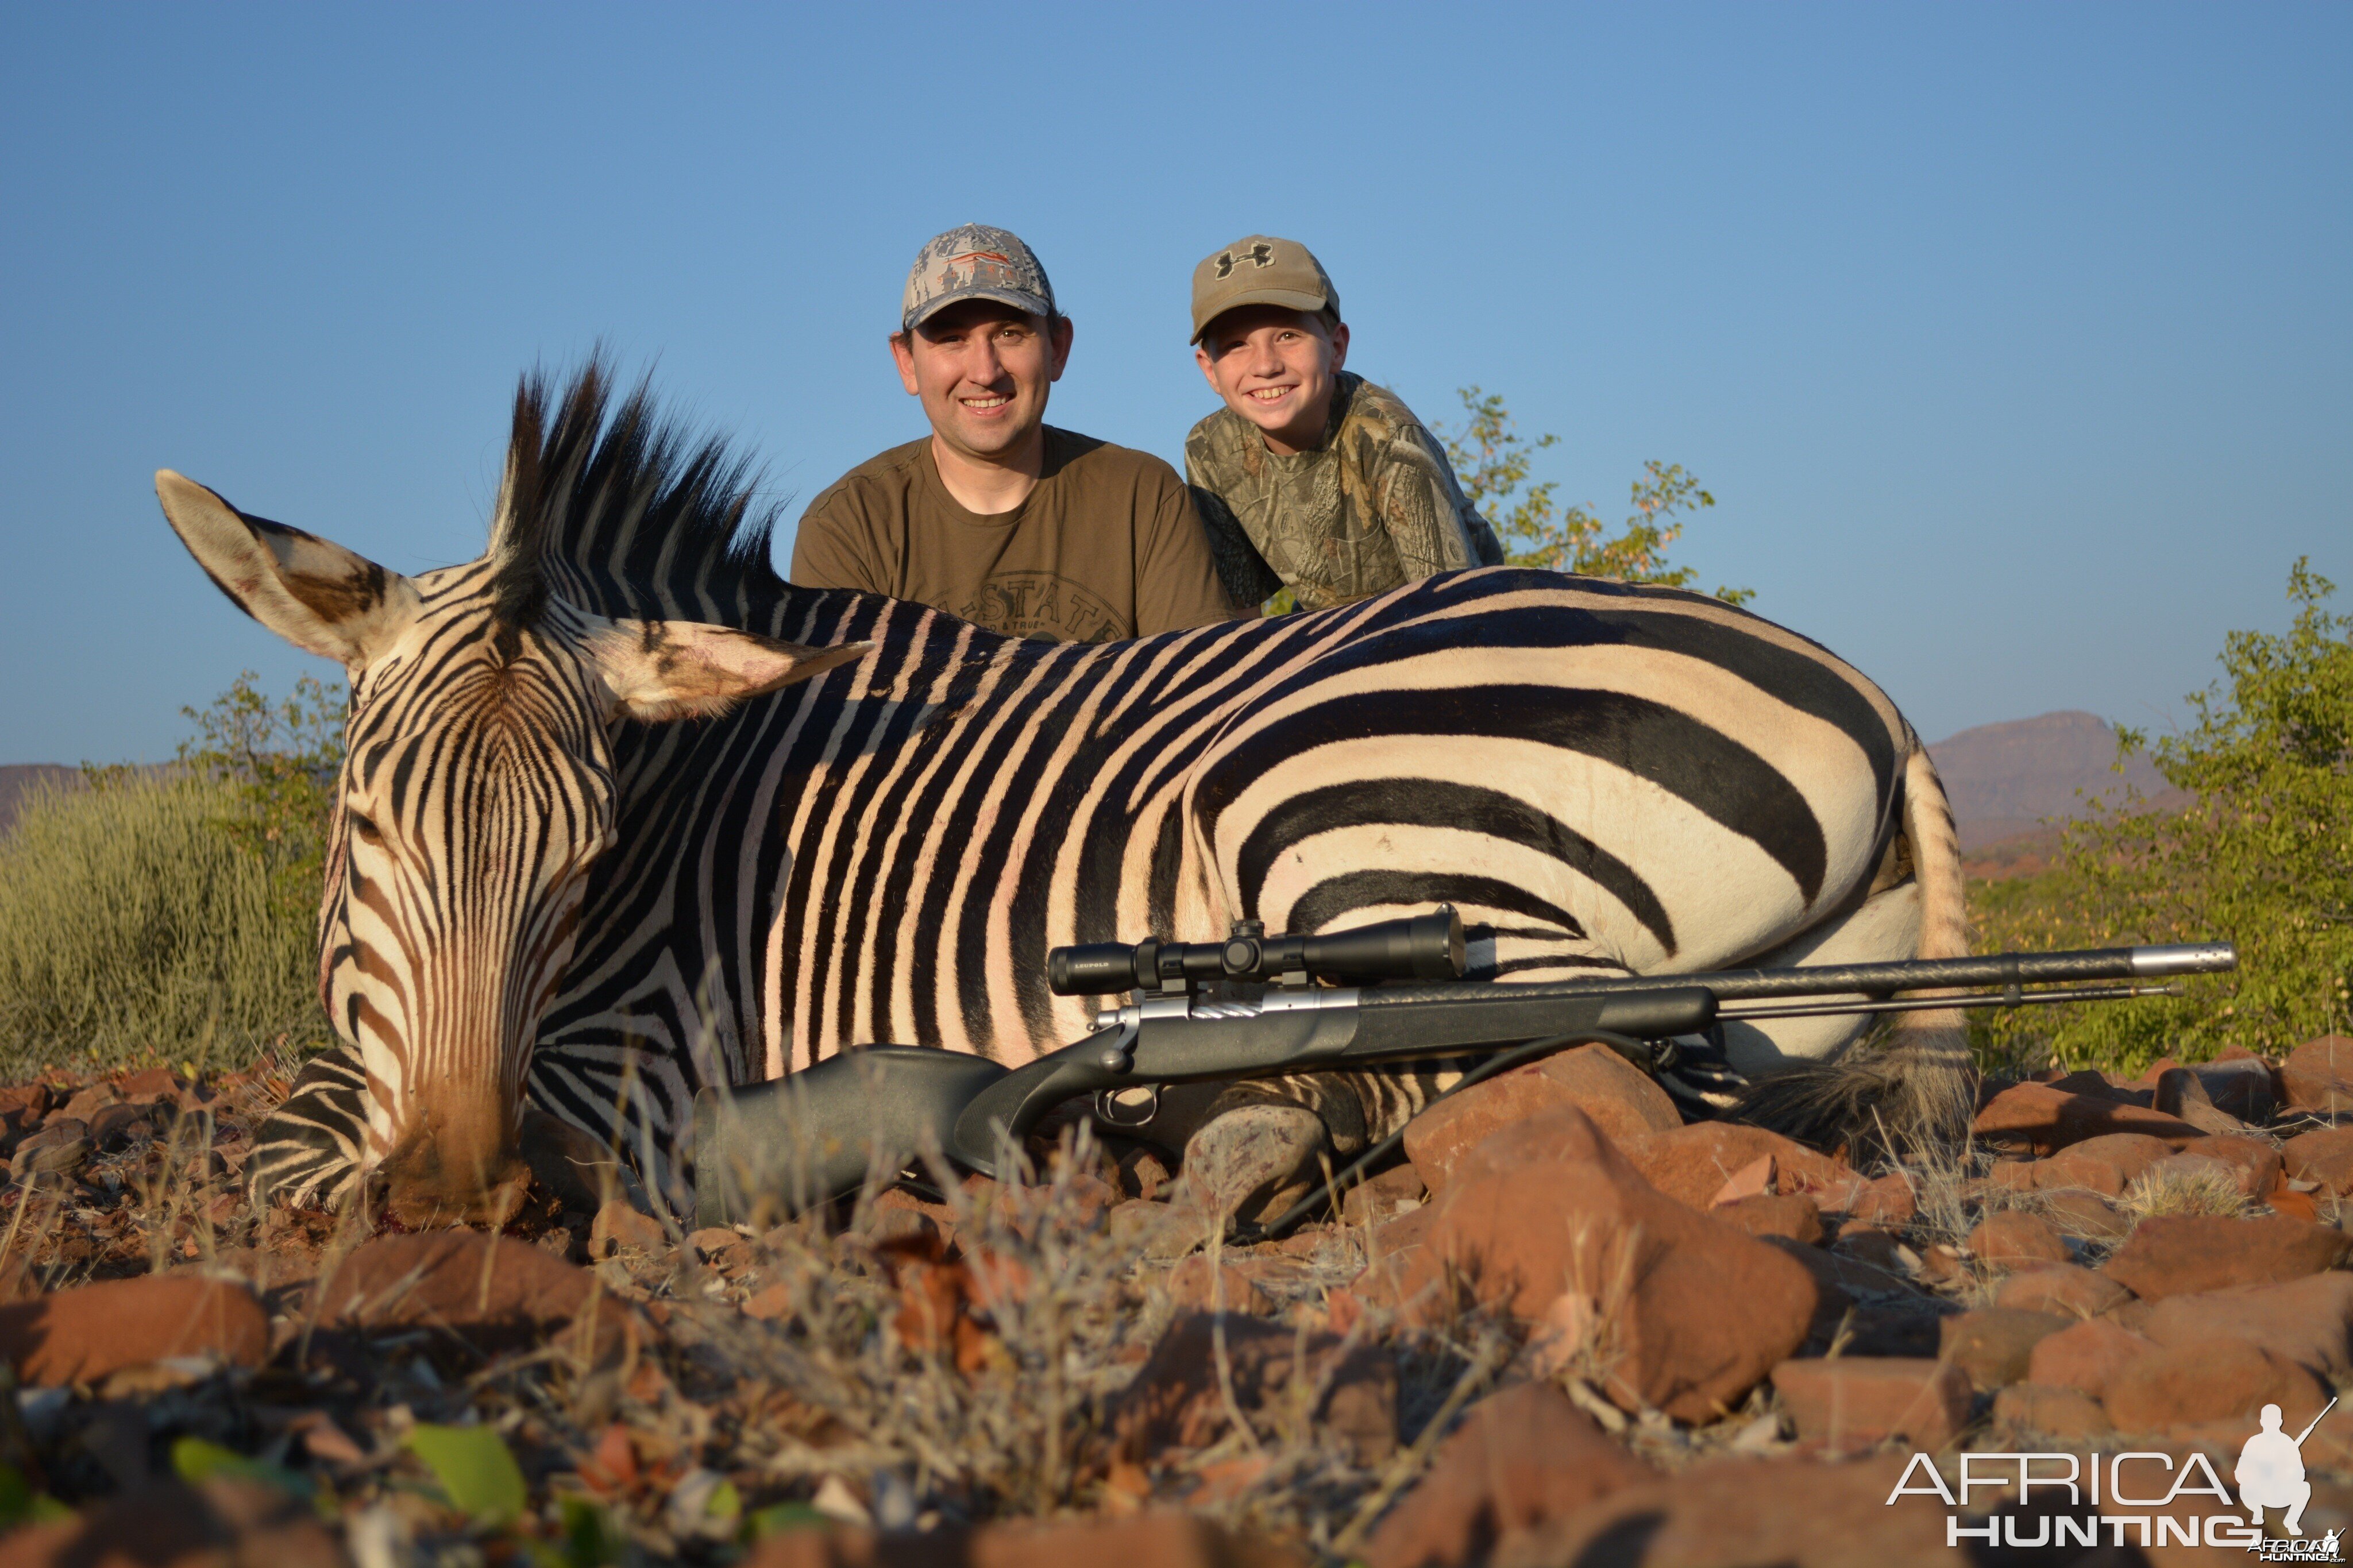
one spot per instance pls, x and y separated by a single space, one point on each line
1425 947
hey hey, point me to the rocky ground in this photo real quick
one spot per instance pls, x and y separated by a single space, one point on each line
1570 1330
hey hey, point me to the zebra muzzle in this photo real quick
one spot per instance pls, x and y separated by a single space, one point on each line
791 1143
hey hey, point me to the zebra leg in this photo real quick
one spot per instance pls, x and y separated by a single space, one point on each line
307 1151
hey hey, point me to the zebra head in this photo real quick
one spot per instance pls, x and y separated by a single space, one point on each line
477 790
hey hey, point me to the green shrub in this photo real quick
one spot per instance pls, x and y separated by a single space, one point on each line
2263 857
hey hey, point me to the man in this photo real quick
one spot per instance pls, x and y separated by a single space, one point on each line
1310 478
998 517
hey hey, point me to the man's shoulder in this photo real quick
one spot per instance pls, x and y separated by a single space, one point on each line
886 471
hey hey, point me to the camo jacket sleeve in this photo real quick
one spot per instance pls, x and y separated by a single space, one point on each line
1415 496
1248 579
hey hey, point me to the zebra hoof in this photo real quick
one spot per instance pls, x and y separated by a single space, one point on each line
1252 1162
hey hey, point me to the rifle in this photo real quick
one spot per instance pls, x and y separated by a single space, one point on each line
1258 1006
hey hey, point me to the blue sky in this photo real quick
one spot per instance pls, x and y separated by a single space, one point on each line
2012 340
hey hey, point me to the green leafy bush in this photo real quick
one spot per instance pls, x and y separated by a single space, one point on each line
168 914
2263 857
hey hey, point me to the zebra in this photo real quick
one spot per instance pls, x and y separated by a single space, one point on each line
624 814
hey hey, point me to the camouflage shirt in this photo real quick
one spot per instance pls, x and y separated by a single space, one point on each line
1374 507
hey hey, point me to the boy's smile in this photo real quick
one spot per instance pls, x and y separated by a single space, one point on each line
1276 368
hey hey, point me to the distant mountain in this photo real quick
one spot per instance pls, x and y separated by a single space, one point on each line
18 780
2005 779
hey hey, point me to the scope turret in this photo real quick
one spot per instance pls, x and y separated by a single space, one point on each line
1424 947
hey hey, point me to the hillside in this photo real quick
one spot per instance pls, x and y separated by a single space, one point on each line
2010 783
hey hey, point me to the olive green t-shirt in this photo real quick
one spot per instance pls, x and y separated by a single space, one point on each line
1107 546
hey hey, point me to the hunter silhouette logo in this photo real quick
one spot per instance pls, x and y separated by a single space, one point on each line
1258 255
2130 1496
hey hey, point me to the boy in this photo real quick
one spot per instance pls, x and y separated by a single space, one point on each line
1310 478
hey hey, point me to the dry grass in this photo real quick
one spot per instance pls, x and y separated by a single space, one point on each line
2204 1189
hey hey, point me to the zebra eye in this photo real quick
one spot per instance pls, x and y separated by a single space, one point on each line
364 828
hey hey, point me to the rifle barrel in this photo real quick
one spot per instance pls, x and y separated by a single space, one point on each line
2003 969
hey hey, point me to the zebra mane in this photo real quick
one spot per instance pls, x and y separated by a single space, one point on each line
623 512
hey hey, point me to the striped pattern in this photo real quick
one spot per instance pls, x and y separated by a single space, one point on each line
1599 777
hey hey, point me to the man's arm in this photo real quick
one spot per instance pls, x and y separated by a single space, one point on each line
1176 580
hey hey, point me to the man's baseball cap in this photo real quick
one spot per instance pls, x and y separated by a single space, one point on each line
1258 270
975 262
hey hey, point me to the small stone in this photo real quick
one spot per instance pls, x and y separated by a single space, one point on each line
1691 1164
1887 1201
771 1302
1194 1284
1756 1179
2009 1238
85 1334
2180 1254
2190 1385
2086 1355
88 1102
1396 1191
2046 1120
495 1292
2126 1154
2066 1412
149 1085
1521 1458
2318 1075
617 1225
116 1125
1794 1215
61 1145
2323 1156
1994 1345
2067 1289
30 1101
2239 1090
1857 1401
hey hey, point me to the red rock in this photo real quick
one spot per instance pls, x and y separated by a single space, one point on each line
2318 1075
117 1125
2240 1090
2227 1379
1621 1100
1733 1513
1887 1201
2309 1320
1691 1164
2295 1204
88 1102
2067 1289
1396 1191
2324 1155
1993 1344
31 1101
2086 1356
1522 1458
2067 1412
1549 1208
1192 1283
2010 1238
495 1292
2068 1171
61 1145
1176 1399
2126 1154
1756 1179
1851 1403
1795 1217
618 1225
83 1334
2177 1255
2047 1119
2257 1160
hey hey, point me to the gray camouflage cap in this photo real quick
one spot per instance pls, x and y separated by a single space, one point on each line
975 262
1260 269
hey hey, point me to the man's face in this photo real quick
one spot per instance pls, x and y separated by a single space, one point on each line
1275 368
983 371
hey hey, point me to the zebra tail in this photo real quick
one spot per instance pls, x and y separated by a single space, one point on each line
1917 1093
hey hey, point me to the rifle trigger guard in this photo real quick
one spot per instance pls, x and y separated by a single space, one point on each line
1112 1114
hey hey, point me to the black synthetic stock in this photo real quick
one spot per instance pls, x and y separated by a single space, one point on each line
814 1135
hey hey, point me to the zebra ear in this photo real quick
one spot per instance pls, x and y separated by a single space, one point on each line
659 671
316 594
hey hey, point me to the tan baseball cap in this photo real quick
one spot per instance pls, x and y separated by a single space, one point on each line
1258 270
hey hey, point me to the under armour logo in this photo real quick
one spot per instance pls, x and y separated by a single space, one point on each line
1258 255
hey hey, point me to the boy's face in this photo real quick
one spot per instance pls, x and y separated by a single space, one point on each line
983 371
1275 368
